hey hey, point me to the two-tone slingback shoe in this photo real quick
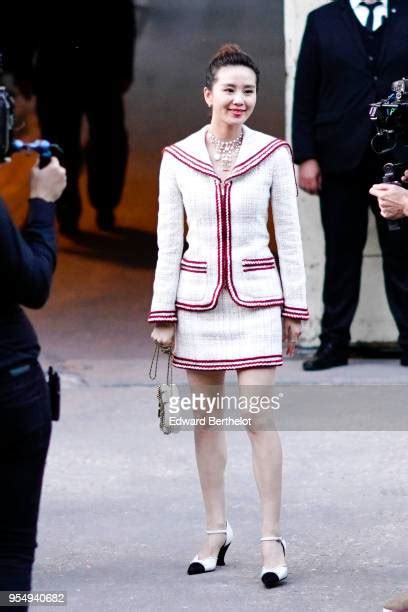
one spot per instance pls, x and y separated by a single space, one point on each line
272 576
209 564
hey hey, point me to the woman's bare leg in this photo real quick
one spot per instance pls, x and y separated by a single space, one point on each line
211 457
267 464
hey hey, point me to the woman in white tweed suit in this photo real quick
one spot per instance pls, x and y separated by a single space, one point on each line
222 303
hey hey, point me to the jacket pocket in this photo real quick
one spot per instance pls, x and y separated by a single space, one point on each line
260 263
258 279
193 265
192 280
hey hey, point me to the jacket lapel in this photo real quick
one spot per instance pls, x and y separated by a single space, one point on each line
389 33
350 21
193 152
255 147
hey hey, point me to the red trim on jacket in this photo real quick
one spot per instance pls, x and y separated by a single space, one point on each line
194 159
192 269
190 161
295 313
213 302
193 261
231 286
250 261
162 315
224 225
264 267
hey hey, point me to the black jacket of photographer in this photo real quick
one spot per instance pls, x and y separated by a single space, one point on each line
27 262
336 82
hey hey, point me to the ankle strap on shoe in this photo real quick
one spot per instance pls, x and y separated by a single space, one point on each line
216 531
275 539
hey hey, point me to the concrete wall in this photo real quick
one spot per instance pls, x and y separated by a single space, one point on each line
373 321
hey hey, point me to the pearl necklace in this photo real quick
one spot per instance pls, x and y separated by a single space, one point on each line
225 150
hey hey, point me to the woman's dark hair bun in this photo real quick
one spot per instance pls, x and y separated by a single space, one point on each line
229 54
228 49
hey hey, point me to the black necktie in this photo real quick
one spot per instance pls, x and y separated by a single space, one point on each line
370 19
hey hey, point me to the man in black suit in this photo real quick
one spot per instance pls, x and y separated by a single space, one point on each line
351 53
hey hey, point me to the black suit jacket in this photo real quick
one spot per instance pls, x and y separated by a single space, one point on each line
334 84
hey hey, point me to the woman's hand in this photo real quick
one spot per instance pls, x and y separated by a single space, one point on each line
292 329
163 334
48 183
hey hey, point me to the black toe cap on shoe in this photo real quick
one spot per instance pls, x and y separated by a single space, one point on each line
270 580
195 568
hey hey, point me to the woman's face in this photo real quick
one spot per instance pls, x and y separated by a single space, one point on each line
233 95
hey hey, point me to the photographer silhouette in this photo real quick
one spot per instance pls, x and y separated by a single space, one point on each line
27 262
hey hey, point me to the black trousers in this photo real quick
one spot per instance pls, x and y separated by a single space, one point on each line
345 204
25 418
60 111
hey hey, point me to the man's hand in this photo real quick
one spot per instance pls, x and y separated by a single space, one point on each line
392 199
310 179
48 183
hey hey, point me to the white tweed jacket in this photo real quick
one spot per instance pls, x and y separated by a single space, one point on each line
228 238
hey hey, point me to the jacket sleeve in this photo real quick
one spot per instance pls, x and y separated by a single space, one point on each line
288 238
306 93
28 259
170 242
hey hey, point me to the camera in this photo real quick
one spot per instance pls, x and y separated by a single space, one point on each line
391 118
10 145
391 140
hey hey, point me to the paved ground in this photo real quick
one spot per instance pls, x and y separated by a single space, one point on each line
121 513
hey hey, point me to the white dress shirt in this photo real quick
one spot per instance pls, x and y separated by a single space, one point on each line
362 12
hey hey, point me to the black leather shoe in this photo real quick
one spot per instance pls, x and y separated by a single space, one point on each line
404 358
105 220
327 356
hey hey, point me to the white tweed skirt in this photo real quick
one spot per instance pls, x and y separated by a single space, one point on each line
228 337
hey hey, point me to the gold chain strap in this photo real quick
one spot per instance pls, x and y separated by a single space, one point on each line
155 361
169 382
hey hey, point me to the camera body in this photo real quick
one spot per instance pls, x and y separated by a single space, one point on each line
391 121
9 145
391 140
